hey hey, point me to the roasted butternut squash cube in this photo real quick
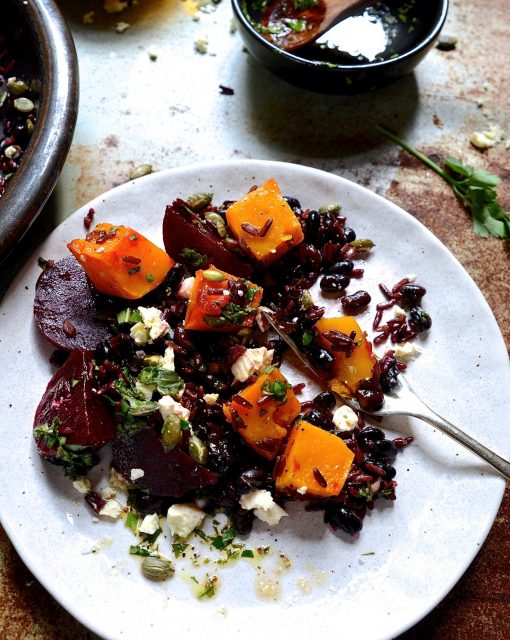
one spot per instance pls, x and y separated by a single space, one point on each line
120 261
262 412
315 462
349 369
221 302
263 222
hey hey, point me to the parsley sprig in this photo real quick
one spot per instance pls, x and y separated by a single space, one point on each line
476 189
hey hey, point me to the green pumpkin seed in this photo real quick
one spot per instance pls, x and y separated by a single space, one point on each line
171 434
140 170
197 450
24 105
16 87
218 222
199 201
213 276
157 568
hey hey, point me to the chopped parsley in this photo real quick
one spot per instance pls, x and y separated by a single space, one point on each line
192 258
277 389
166 382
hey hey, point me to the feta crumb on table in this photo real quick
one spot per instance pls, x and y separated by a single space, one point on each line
263 505
183 519
150 524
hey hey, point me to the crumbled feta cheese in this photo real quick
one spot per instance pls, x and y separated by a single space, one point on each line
302 490
82 484
107 493
150 328
184 291
398 311
112 509
183 518
117 480
488 138
168 406
136 474
210 398
151 318
252 361
407 351
139 334
145 390
344 418
412 277
168 361
263 505
150 524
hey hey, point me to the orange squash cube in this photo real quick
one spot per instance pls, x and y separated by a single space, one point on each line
349 369
261 412
263 222
120 261
210 306
314 461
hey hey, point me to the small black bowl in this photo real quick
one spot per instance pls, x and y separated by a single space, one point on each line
43 48
415 34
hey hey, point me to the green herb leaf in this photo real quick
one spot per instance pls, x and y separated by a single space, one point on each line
167 382
192 258
474 188
307 338
277 389
247 553
131 521
179 548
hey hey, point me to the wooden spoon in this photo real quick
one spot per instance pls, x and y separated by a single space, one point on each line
292 24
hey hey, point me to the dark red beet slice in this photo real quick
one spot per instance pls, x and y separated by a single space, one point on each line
173 473
70 397
66 309
184 229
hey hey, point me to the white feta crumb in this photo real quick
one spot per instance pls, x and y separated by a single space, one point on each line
88 18
184 518
263 505
201 44
139 334
136 474
344 418
107 493
407 351
120 27
252 361
398 311
150 524
145 390
82 484
112 509
168 406
184 290
168 361
488 138
117 480
411 277
211 398
152 319
302 490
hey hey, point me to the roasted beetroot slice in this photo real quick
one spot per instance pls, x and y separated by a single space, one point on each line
66 309
184 229
83 417
173 473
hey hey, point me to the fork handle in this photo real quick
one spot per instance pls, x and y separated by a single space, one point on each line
498 463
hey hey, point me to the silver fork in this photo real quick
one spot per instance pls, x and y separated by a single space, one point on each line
405 402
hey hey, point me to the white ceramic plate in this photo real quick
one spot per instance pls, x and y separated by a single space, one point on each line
409 554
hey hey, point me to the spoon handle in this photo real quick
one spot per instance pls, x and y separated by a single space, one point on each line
496 462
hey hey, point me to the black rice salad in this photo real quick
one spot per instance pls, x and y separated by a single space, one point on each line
166 354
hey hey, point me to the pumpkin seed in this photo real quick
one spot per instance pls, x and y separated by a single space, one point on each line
218 222
197 450
171 434
24 105
157 568
213 276
140 170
